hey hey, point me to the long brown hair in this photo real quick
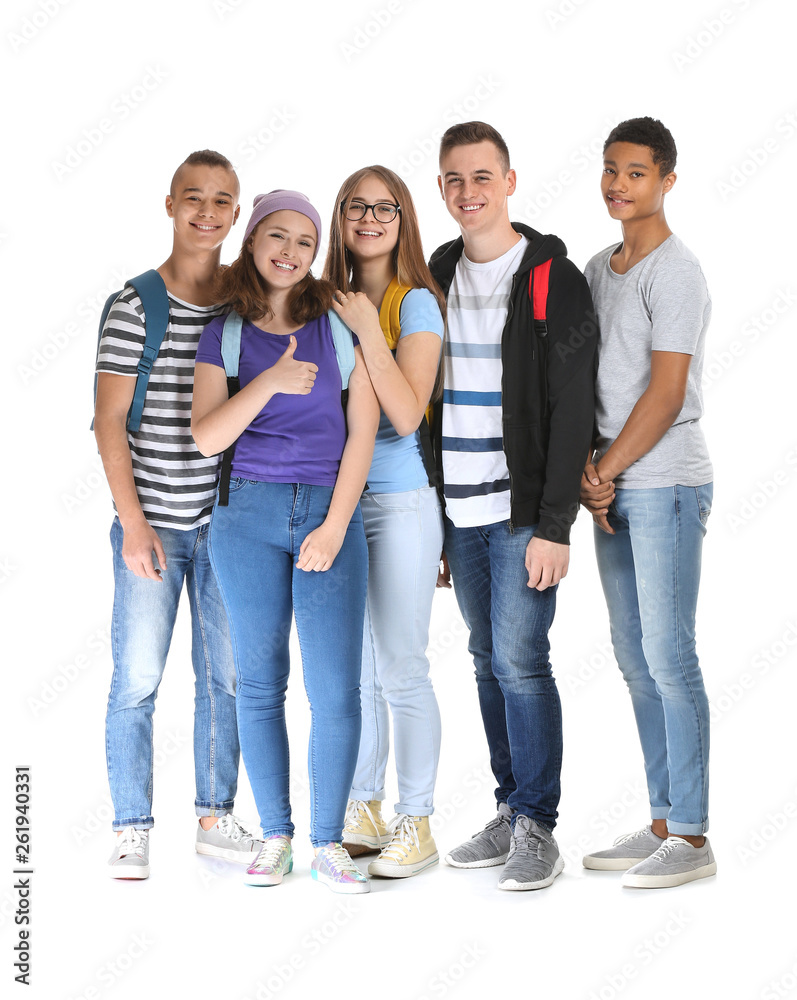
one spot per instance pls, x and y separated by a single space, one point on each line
409 263
241 287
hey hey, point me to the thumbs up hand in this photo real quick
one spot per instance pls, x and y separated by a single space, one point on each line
291 376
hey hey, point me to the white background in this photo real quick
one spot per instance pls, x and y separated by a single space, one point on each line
325 89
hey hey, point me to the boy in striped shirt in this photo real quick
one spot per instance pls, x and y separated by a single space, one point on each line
516 423
163 492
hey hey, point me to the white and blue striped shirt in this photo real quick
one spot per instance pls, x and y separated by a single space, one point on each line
474 465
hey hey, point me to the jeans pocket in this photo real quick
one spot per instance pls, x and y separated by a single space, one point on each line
238 483
704 498
404 502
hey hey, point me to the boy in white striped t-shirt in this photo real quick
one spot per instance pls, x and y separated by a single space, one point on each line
163 492
516 424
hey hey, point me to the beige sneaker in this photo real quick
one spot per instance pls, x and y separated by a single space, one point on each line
364 830
411 849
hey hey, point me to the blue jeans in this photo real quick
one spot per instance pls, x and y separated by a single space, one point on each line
254 544
509 623
405 538
144 613
650 571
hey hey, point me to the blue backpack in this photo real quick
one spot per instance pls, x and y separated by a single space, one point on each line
155 300
231 353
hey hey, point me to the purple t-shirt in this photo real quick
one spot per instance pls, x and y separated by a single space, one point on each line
294 439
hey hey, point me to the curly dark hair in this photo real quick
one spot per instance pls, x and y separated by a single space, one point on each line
651 133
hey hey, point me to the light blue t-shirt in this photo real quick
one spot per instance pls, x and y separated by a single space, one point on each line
397 465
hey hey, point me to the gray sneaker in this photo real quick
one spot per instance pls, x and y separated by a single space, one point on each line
130 858
488 847
674 863
627 851
229 840
534 860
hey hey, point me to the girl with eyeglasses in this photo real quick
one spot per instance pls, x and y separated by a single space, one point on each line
388 298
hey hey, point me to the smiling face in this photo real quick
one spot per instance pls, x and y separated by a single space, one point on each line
282 247
368 239
475 188
203 205
632 186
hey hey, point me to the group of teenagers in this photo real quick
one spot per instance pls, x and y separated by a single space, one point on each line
387 428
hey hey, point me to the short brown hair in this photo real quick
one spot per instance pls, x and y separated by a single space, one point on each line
469 133
204 158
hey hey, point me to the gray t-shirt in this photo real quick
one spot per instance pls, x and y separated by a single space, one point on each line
660 304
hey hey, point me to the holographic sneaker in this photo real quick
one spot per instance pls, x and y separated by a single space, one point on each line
333 866
274 860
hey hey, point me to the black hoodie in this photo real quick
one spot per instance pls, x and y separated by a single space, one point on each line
547 386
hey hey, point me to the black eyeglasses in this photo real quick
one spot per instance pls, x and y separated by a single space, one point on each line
383 211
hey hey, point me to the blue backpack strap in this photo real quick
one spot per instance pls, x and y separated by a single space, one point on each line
230 355
155 300
231 344
344 347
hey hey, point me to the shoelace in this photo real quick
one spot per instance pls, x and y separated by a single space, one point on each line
498 821
527 840
132 841
666 848
337 857
230 826
353 810
405 835
630 836
271 853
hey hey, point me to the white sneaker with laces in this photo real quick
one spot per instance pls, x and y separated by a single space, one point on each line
228 839
130 858
674 863
626 851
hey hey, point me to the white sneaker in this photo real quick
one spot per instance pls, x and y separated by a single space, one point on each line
130 858
675 862
627 851
228 839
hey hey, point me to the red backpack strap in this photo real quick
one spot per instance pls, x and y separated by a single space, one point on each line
539 278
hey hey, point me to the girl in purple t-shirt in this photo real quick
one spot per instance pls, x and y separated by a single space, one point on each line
290 541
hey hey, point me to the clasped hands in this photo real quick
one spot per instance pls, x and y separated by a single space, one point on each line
597 495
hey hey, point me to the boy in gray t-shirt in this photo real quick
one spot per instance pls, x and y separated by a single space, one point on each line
649 489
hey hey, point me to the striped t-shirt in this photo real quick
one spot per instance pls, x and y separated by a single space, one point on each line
474 465
176 485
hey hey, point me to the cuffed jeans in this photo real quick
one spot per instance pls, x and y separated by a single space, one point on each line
254 544
144 612
404 532
650 571
509 623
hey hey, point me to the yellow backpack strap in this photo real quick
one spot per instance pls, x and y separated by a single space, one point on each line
389 312
391 324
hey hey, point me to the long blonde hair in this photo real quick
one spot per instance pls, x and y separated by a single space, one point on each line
409 263
408 260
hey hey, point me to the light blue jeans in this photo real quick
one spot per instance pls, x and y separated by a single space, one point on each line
650 571
254 544
405 538
144 612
